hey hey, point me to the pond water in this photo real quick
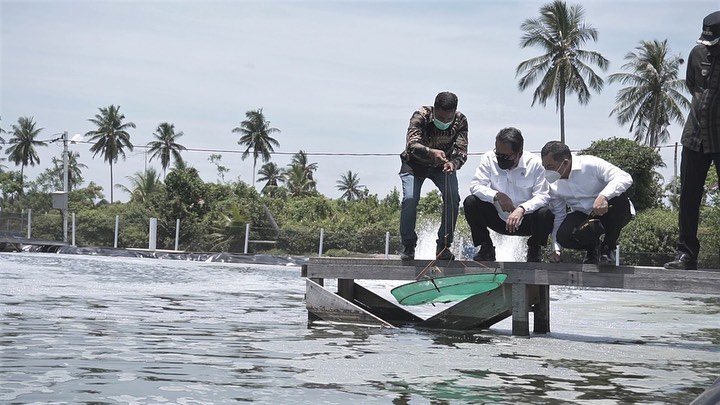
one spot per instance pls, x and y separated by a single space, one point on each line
110 330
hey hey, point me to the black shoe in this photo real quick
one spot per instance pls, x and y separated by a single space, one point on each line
444 253
683 261
607 256
486 253
534 254
592 256
408 253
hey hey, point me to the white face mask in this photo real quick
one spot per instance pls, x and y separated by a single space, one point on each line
441 125
554 175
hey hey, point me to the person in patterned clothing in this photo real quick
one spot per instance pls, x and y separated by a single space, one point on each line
435 148
700 139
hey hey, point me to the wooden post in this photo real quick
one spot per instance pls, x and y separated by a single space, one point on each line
541 317
346 288
520 319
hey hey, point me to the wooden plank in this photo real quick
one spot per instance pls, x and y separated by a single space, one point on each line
568 274
333 308
383 308
477 312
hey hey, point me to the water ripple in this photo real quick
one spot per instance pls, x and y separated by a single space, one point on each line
79 329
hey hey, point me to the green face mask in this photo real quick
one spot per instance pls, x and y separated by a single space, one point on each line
441 125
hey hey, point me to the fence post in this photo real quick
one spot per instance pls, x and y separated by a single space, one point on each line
617 255
387 244
117 225
322 237
153 235
73 229
177 233
29 229
247 236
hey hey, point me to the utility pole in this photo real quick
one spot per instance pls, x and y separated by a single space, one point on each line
66 187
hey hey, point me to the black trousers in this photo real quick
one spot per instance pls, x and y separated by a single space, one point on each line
613 221
481 215
694 167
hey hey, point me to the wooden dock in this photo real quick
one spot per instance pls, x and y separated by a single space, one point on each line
14 241
527 289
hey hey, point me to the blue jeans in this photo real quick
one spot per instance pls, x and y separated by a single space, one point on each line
411 186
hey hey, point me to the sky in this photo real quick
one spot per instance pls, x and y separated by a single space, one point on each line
339 79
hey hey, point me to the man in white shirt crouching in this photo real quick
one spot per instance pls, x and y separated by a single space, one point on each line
509 195
594 191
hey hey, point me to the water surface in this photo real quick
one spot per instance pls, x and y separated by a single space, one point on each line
82 329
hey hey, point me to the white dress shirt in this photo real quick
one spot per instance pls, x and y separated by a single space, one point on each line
525 184
589 178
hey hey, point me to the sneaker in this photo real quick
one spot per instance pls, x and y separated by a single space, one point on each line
408 253
592 256
607 256
683 261
444 253
534 254
486 253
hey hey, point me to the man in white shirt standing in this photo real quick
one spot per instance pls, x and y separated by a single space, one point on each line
594 190
509 195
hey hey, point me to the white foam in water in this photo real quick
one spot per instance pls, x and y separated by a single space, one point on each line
507 248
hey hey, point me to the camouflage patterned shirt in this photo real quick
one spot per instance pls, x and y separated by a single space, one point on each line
423 135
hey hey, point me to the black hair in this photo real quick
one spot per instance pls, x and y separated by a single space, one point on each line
558 150
446 101
513 136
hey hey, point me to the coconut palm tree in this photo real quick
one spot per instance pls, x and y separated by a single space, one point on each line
349 184
22 150
301 159
2 140
255 134
142 184
111 137
56 173
272 175
180 165
653 98
564 68
165 145
297 182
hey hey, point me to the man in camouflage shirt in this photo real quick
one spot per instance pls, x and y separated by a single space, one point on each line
435 148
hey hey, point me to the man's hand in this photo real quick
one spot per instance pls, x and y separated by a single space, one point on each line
600 206
554 257
449 167
514 220
437 155
505 202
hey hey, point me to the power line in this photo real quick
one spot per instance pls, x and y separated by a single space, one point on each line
356 154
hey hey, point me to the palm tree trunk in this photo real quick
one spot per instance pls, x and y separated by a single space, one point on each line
22 180
111 183
562 116
253 176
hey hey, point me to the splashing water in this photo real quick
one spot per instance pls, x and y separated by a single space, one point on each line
507 248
